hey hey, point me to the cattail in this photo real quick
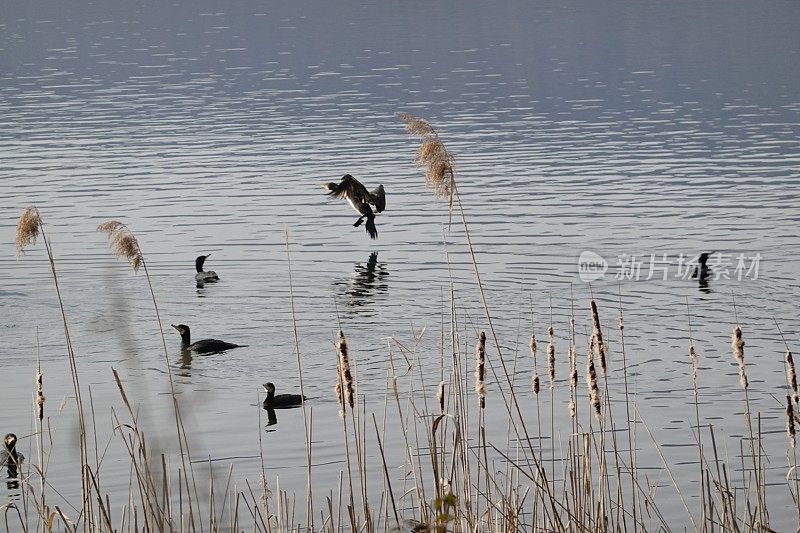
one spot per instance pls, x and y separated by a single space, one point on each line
28 228
573 367
440 396
598 337
346 377
39 393
693 358
480 362
791 375
123 242
535 380
551 358
594 391
738 352
339 395
790 420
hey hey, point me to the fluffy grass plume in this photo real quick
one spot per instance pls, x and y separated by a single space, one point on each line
480 369
737 343
123 242
432 154
28 228
597 333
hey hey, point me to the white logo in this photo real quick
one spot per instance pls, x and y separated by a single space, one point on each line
591 266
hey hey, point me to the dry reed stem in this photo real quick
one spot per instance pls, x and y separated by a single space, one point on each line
551 358
790 421
344 369
791 376
480 369
597 333
122 241
737 343
28 228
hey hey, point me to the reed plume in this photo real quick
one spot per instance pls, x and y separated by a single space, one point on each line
480 369
432 154
791 376
535 382
737 343
28 228
440 396
123 243
597 333
790 421
345 384
551 358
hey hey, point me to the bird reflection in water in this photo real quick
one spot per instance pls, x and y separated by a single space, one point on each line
272 418
367 281
702 272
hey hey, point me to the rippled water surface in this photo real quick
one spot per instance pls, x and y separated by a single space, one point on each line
633 128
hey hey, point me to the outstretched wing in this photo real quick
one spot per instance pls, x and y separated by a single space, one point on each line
350 188
378 198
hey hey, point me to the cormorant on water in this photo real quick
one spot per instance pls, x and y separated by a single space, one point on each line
9 456
203 276
281 401
202 346
360 199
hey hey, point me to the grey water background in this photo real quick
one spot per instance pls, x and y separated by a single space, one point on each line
621 128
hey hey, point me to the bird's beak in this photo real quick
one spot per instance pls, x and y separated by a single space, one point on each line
174 326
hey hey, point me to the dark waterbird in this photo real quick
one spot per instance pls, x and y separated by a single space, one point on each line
9 456
202 346
281 401
702 272
204 276
360 199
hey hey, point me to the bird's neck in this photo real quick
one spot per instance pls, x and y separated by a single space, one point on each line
270 396
186 339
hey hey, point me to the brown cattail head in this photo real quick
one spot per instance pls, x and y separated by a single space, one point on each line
790 421
440 396
536 383
39 393
594 391
533 346
480 369
344 370
28 228
573 367
123 242
551 358
791 376
737 343
597 332
693 358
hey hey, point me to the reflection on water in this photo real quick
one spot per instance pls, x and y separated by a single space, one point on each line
272 418
367 281
702 273
186 361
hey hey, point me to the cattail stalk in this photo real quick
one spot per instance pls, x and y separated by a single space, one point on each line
535 382
597 333
790 421
737 343
480 369
791 376
551 358
345 384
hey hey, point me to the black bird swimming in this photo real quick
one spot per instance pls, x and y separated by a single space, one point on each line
9 456
360 199
203 346
281 401
203 276
701 271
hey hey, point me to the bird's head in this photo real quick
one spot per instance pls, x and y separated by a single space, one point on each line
198 263
182 329
269 387
10 441
330 186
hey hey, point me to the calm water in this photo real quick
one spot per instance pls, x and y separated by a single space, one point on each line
639 129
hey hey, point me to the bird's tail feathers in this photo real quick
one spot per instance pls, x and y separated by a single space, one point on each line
371 229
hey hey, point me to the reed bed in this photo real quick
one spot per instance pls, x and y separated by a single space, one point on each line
439 467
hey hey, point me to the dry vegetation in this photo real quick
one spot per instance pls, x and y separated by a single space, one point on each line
450 479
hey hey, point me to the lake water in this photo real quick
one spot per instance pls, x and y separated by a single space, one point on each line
624 129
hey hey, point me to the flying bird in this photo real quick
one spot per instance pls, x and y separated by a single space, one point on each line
360 199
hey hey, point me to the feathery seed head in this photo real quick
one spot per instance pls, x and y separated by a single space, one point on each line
28 228
123 243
